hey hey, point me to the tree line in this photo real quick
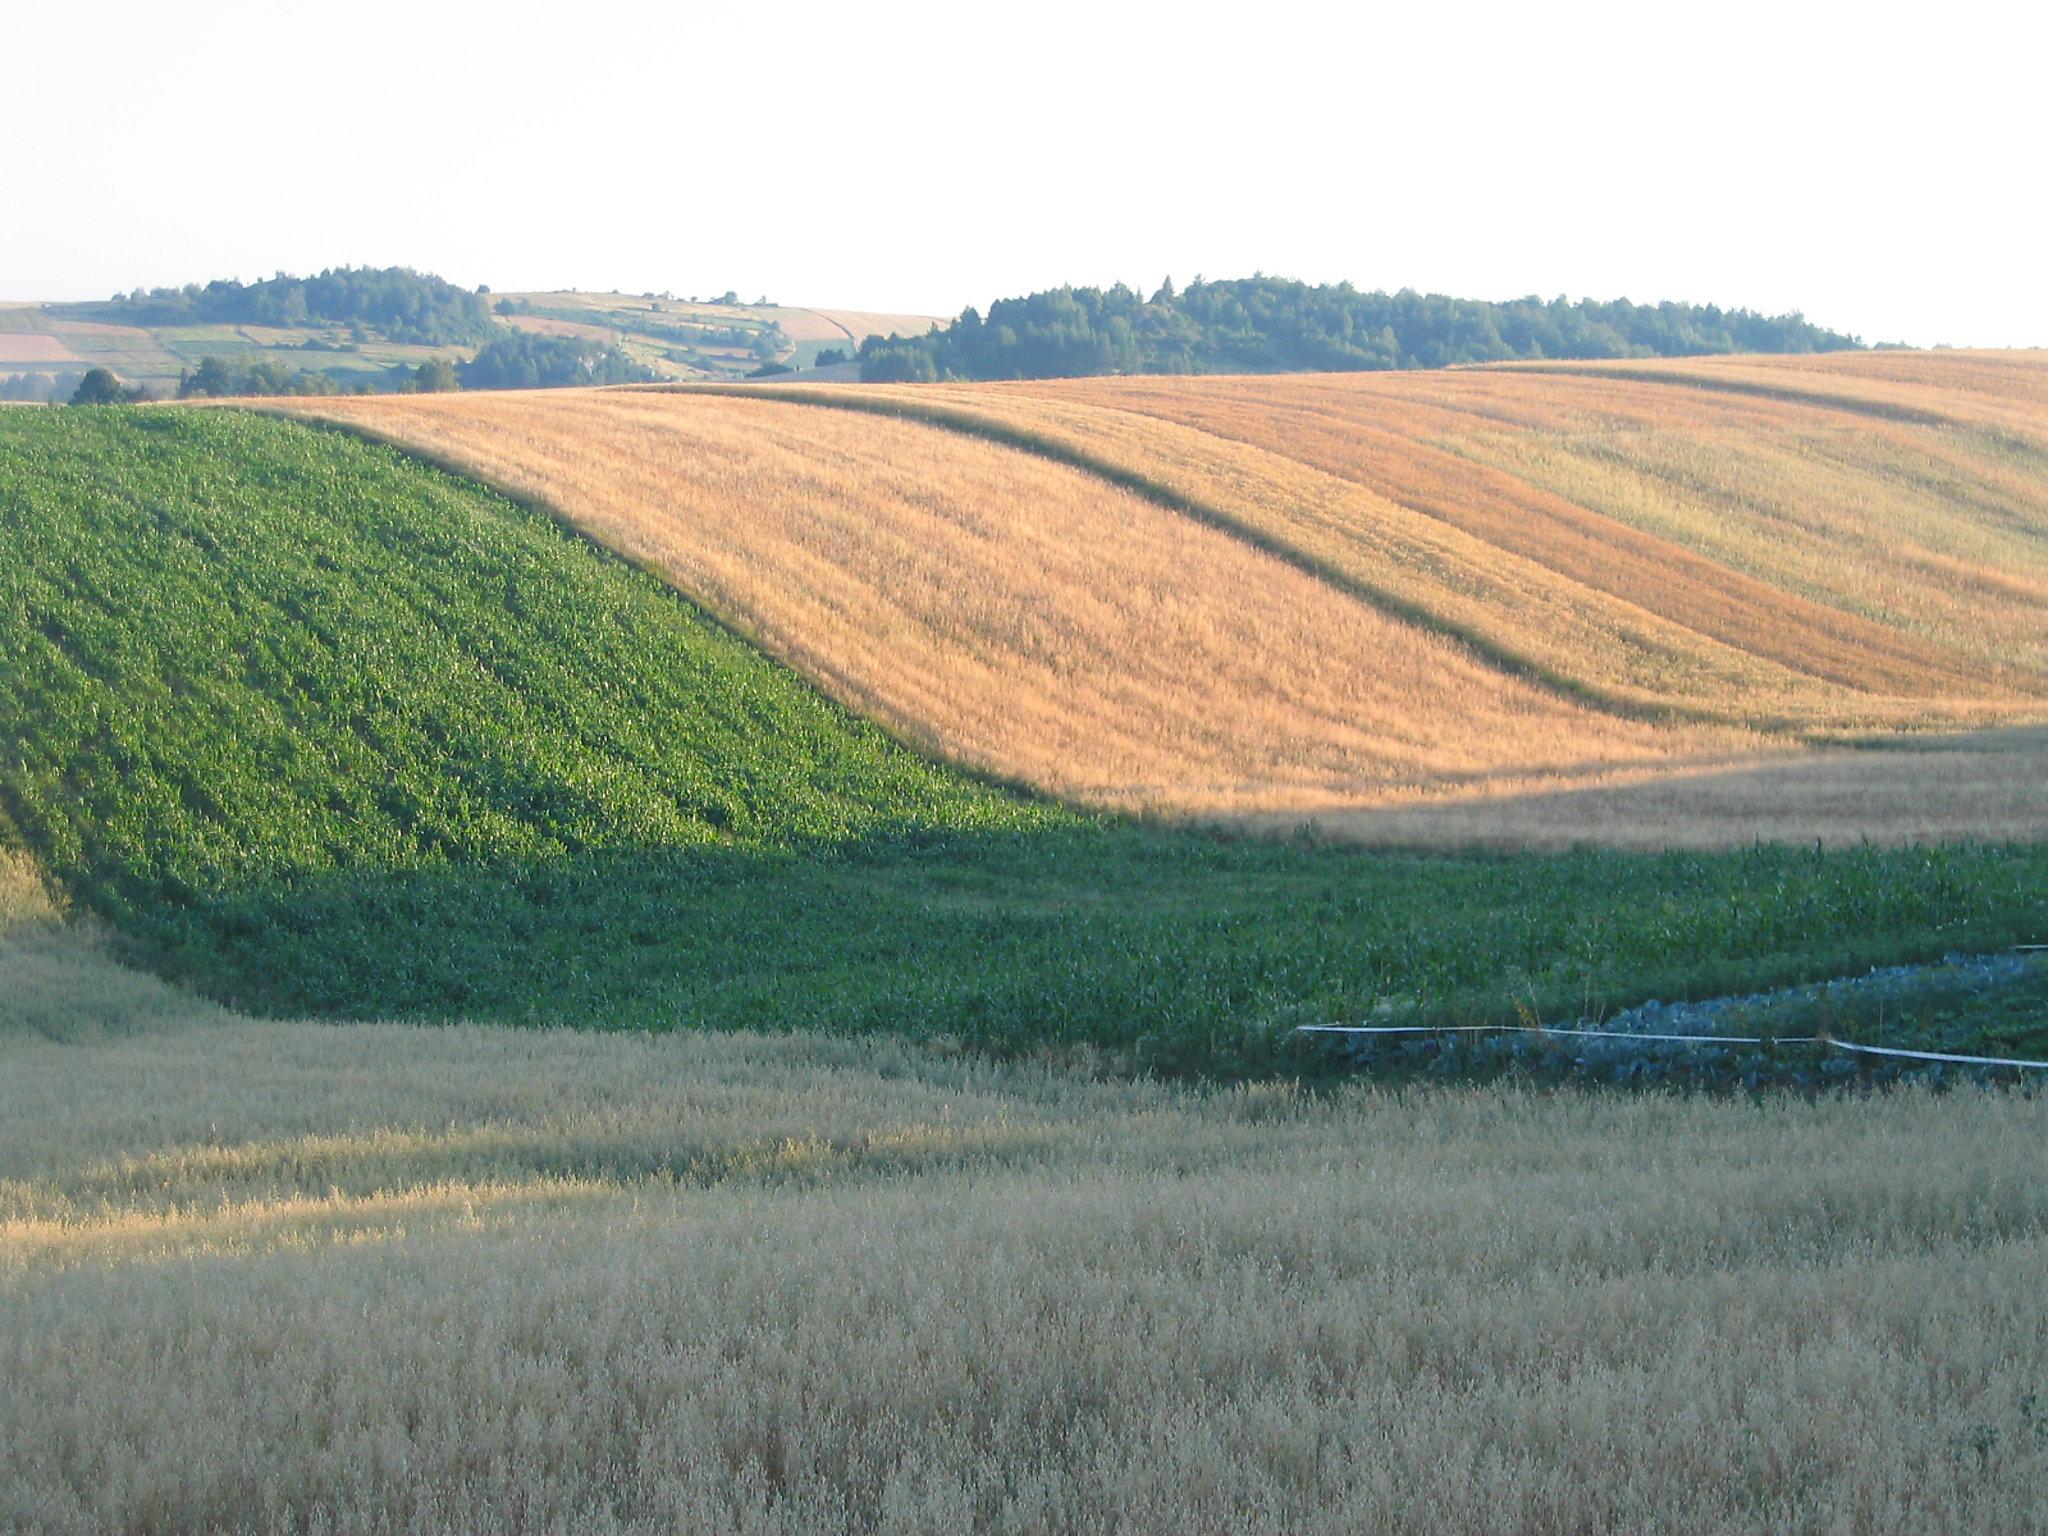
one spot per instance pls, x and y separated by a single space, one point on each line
517 361
396 302
1275 325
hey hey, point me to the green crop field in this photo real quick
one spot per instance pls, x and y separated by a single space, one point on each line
322 730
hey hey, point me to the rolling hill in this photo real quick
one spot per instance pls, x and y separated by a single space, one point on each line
1332 595
324 730
685 339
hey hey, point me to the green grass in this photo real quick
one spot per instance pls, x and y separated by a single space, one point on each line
323 730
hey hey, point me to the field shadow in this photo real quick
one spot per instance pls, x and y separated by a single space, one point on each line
1987 786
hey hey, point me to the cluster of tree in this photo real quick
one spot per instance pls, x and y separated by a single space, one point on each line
41 388
215 377
99 387
524 361
828 356
396 302
1274 325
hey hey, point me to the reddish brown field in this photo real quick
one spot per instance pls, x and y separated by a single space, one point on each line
17 347
542 326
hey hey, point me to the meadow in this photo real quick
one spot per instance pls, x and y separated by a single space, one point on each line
268 1276
322 730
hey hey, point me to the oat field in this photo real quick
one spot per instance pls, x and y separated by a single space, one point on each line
283 1277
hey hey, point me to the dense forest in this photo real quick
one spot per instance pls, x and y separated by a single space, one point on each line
1274 325
396 302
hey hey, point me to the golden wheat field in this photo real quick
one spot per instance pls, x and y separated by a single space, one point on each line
277 1277
1018 614
1337 596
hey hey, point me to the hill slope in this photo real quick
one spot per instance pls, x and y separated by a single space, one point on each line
324 730
1273 596
1798 558
1019 614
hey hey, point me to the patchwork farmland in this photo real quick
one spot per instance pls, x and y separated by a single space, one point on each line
865 853
676 339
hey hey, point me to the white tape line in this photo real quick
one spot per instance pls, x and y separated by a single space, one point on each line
1538 1029
1629 1034
1975 1061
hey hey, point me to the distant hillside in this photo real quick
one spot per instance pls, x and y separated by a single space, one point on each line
1274 325
360 330
398 303
684 338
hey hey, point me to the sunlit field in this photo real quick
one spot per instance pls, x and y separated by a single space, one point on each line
1672 535
264 1276
1277 599
1021 616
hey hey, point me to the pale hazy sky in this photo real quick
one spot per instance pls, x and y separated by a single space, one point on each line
1879 167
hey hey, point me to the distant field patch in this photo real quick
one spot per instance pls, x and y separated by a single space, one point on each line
812 325
850 325
97 328
861 323
21 347
542 326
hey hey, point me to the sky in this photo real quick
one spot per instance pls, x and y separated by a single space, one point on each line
1878 168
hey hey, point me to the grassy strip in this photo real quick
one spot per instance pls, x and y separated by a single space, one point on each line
326 731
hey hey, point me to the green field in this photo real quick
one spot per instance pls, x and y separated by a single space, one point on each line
324 731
